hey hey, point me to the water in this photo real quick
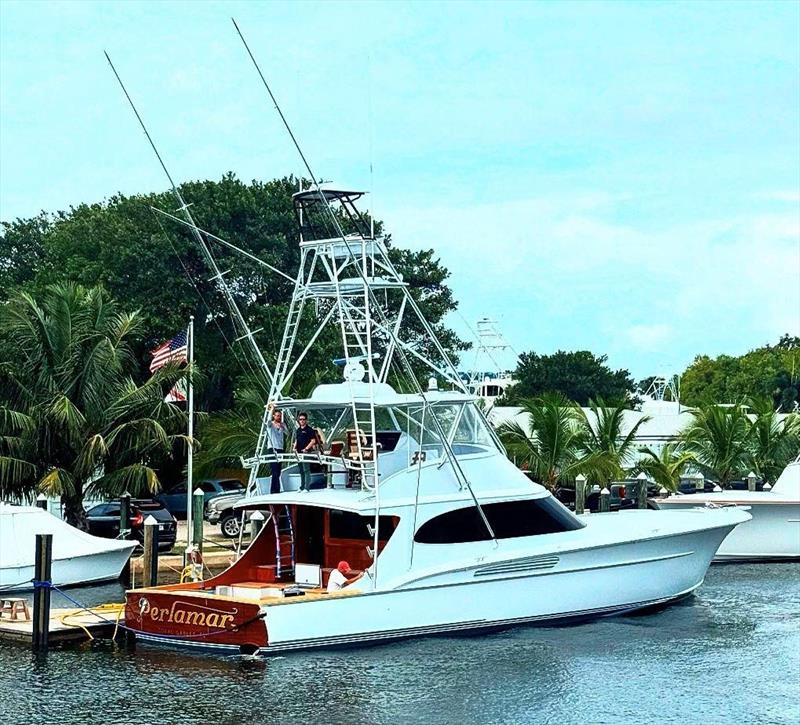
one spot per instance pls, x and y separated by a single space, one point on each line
729 654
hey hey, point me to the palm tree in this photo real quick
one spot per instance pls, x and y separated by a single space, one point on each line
719 439
552 444
605 441
72 420
229 435
775 441
666 466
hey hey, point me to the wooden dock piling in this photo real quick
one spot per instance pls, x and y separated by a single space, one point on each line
605 500
150 559
580 493
256 522
41 594
198 505
641 490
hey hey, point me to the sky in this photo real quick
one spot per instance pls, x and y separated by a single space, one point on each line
619 177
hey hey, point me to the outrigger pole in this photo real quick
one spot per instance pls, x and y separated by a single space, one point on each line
369 295
183 207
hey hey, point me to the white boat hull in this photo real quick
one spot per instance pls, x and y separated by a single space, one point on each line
78 557
772 533
550 587
89 569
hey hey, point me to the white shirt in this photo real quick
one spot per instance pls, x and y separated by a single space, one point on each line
276 435
336 581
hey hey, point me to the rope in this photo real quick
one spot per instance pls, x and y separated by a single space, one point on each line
226 630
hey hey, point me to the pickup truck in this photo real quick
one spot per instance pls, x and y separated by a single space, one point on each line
219 510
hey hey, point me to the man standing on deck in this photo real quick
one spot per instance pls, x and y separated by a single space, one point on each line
305 441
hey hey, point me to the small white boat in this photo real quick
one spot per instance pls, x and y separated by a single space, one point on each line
78 557
774 530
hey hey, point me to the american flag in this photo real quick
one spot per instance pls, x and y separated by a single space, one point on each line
177 394
173 350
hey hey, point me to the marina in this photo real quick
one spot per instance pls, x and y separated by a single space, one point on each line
740 627
250 468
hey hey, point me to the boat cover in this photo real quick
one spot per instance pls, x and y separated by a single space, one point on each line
20 524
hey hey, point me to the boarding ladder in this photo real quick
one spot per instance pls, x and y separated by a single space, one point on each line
284 540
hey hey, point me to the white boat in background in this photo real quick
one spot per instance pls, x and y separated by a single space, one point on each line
774 530
78 557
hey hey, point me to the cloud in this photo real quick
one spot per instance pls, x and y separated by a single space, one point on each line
645 337
562 271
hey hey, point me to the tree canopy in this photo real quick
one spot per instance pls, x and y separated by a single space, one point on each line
580 376
153 264
771 372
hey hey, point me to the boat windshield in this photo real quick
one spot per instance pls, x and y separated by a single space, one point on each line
413 427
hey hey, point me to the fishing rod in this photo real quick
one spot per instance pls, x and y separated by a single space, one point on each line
370 296
183 207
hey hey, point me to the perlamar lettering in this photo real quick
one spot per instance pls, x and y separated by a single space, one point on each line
212 619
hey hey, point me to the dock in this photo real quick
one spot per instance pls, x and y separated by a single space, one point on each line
65 626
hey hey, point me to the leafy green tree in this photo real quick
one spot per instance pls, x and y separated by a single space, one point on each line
72 419
666 466
154 264
719 438
551 446
606 442
771 372
579 376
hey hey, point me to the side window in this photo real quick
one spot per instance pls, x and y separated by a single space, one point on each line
346 525
207 487
232 485
509 520
112 509
98 510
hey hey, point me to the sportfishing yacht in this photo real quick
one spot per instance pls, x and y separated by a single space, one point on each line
410 486
774 530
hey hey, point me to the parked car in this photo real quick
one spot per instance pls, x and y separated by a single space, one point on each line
103 520
175 499
220 511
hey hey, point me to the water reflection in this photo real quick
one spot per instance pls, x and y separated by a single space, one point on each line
682 664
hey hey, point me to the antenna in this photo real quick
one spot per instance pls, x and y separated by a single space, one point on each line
184 209
455 379
459 474
371 144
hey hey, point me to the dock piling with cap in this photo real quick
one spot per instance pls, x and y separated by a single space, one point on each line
605 500
256 522
641 490
150 559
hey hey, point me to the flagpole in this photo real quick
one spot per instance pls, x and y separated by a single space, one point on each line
189 489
